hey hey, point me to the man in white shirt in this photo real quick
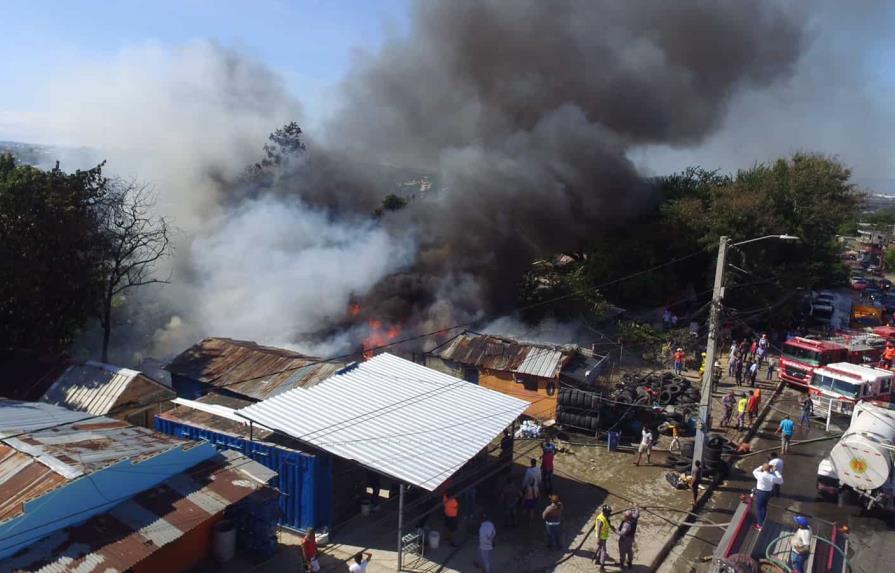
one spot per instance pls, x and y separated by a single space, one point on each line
487 533
532 477
646 444
361 560
776 464
765 479
801 545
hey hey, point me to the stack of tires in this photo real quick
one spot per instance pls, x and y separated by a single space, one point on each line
716 454
630 402
579 409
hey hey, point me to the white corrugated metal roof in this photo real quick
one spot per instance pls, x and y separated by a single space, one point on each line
93 387
543 362
27 417
394 416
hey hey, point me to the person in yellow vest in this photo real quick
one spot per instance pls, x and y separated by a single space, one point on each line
742 406
602 528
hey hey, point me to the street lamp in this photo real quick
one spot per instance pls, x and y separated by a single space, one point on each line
705 399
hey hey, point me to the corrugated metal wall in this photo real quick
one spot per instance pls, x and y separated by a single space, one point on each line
304 480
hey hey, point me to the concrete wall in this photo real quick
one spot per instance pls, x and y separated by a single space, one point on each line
96 493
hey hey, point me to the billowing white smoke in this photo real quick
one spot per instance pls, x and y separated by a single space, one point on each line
273 272
188 120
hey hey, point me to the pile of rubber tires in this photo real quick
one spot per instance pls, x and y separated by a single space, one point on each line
667 389
584 409
631 400
717 455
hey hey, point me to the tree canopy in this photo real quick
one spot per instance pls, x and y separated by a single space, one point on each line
806 195
50 253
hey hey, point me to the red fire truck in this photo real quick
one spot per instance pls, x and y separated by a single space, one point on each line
802 355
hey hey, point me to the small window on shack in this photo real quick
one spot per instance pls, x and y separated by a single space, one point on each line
885 385
529 383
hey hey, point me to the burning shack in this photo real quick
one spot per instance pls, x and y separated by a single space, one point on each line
531 371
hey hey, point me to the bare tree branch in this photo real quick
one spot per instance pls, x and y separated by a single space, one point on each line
136 239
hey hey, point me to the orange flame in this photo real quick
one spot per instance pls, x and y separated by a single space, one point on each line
378 336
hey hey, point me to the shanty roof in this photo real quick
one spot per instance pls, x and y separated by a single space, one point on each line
214 412
394 416
99 388
66 445
506 354
250 369
137 528
24 417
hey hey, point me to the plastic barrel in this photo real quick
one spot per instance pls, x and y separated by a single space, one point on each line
224 542
612 440
434 539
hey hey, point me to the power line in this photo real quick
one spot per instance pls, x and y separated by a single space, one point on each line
467 323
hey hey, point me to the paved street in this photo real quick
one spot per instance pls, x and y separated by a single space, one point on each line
797 495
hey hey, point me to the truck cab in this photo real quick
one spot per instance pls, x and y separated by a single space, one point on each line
802 355
839 386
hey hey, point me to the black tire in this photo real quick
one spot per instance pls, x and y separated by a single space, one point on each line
665 397
715 442
687 449
674 389
563 398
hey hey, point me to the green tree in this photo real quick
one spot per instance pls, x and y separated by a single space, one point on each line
807 195
50 254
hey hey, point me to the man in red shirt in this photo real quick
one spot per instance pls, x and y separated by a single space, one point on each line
679 361
548 451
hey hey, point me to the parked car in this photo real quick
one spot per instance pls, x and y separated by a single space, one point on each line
859 284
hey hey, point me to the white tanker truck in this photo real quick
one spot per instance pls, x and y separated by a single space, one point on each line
862 460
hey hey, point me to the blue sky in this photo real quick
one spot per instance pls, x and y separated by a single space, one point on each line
309 42
838 103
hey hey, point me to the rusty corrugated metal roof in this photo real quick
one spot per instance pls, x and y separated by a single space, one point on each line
506 354
97 388
250 369
79 449
66 445
201 419
135 529
22 479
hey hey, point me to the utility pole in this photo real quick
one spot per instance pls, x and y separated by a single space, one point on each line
401 528
705 400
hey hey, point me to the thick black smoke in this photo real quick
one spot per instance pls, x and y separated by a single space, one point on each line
524 112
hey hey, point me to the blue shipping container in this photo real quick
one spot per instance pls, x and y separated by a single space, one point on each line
305 481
